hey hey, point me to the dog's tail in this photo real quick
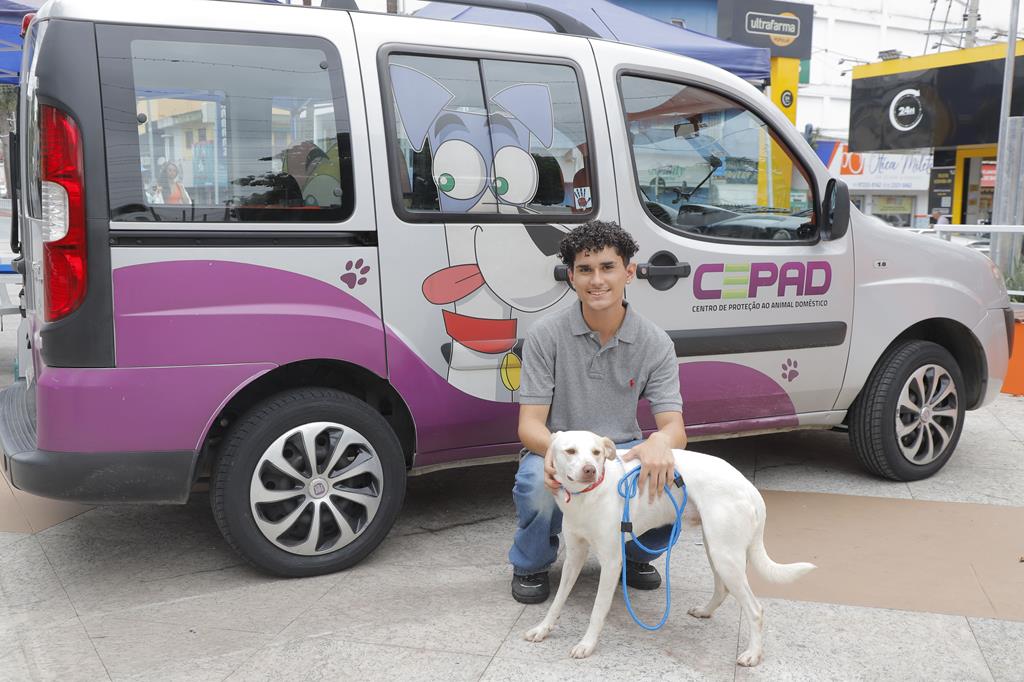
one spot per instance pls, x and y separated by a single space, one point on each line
769 570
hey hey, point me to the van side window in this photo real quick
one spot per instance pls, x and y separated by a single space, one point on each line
487 136
209 126
707 166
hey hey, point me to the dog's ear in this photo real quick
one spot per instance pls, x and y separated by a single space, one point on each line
609 448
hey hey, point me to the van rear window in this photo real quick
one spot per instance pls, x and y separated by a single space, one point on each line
210 126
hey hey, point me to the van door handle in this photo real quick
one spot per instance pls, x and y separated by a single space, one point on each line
561 273
648 271
663 270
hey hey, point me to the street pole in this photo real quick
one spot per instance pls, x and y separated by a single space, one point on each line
1006 208
971 32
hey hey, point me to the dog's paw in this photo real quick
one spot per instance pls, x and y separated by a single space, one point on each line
582 650
699 612
537 634
749 659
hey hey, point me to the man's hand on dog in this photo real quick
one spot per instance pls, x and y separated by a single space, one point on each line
657 464
550 482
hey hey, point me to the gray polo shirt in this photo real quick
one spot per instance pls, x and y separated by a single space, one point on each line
593 388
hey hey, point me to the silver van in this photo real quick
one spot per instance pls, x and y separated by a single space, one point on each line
297 249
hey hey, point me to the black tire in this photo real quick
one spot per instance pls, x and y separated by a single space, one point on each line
251 436
873 415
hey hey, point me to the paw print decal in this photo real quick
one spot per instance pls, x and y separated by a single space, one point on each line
789 371
356 273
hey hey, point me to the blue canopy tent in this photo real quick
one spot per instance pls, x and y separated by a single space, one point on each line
11 14
617 23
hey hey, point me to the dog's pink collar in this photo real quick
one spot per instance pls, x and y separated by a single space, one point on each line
568 495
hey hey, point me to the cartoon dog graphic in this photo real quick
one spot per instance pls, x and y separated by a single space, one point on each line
481 163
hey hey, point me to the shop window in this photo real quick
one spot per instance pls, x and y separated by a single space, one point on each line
897 210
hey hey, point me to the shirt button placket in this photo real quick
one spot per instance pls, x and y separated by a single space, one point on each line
594 368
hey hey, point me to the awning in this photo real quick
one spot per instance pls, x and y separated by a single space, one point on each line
11 14
617 23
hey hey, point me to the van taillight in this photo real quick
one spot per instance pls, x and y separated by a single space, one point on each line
63 209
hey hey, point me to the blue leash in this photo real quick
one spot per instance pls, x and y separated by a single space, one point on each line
628 486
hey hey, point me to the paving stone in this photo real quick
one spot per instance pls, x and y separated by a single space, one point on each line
332 658
1000 642
133 649
686 648
806 641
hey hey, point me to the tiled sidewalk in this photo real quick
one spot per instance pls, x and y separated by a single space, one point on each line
153 593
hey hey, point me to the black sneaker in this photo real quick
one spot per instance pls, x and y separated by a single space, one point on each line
531 589
642 576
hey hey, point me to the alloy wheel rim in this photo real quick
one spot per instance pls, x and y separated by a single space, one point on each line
316 488
927 414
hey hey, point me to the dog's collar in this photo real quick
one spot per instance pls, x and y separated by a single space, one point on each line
568 495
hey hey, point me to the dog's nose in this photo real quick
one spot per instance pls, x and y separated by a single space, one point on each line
589 471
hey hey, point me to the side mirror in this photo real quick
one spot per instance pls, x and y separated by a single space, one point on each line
835 210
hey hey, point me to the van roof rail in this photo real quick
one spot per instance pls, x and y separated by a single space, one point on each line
559 20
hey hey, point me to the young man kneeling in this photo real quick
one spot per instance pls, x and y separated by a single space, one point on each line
585 368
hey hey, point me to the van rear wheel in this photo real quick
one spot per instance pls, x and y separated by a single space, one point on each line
907 420
310 481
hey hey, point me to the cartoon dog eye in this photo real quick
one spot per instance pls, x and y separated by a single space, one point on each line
459 170
515 175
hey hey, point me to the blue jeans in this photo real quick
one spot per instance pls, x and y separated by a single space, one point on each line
539 521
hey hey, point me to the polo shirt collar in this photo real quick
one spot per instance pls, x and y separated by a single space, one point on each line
627 330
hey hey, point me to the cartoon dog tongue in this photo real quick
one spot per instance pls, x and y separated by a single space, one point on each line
452 283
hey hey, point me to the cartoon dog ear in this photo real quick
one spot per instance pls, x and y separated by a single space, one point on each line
420 99
609 448
531 104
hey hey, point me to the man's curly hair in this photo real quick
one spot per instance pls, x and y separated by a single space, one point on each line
595 235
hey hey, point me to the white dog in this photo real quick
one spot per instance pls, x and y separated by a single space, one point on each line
732 514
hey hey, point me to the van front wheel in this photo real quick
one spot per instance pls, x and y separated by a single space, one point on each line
309 482
907 420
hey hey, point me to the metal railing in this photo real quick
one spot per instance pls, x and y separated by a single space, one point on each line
945 230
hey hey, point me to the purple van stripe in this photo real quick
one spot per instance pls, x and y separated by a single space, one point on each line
692 431
715 392
222 312
446 417
150 409
783 421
